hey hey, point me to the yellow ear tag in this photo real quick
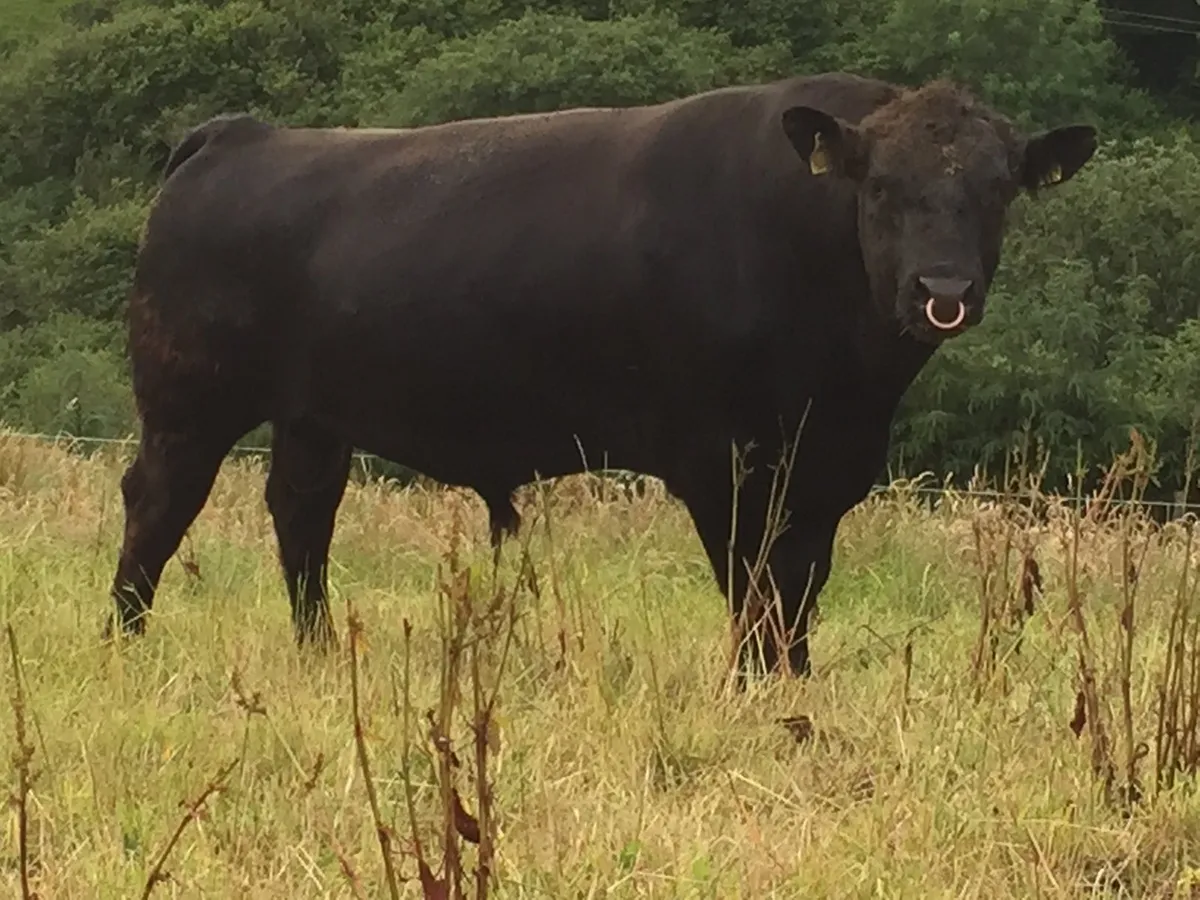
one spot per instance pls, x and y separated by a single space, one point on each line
818 160
1054 176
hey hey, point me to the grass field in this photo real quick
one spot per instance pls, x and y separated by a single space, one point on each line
619 767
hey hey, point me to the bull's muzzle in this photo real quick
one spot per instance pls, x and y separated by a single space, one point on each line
946 307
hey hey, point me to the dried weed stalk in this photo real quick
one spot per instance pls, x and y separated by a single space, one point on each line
570 621
476 635
382 832
23 764
251 705
1136 537
1108 511
1087 699
194 810
348 872
1177 732
1003 532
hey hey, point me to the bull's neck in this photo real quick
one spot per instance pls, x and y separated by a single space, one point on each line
869 358
889 360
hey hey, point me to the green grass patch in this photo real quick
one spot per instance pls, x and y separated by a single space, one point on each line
619 767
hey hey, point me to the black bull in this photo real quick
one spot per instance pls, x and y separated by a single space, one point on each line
492 301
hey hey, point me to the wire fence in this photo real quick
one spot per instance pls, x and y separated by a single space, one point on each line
1176 507
1137 21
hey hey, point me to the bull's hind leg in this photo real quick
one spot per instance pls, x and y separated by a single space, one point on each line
164 488
503 521
309 470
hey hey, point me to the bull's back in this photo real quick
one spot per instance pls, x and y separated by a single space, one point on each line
495 277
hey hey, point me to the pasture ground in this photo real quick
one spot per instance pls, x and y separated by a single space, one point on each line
619 767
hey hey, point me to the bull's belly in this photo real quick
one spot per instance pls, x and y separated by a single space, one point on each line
476 457
464 418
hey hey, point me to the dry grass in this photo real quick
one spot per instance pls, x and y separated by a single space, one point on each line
942 758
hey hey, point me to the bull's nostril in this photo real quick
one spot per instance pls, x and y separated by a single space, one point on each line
953 290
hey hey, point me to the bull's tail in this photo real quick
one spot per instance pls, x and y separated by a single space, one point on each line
233 125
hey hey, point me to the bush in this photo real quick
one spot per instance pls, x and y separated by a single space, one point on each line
544 62
1043 63
374 73
140 79
66 375
83 265
809 29
24 21
82 393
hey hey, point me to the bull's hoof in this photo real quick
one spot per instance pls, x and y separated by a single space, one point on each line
754 668
317 637
131 626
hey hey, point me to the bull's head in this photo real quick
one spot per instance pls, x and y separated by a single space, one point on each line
935 173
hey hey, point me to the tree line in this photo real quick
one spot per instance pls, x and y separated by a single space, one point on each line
1092 325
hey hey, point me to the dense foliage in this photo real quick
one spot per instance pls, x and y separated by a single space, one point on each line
1092 328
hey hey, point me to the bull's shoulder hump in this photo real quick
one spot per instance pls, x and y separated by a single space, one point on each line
745 112
843 94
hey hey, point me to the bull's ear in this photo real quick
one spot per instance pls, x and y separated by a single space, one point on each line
1052 157
827 144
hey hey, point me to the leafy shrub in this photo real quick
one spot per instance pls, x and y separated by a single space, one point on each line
66 375
143 77
1043 63
543 62
83 265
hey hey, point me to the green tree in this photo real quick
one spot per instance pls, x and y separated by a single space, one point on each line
140 79
543 62
24 213
1042 63
83 265
811 30
381 65
66 375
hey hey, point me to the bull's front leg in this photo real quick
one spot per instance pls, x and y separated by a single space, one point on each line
779 607
770 600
